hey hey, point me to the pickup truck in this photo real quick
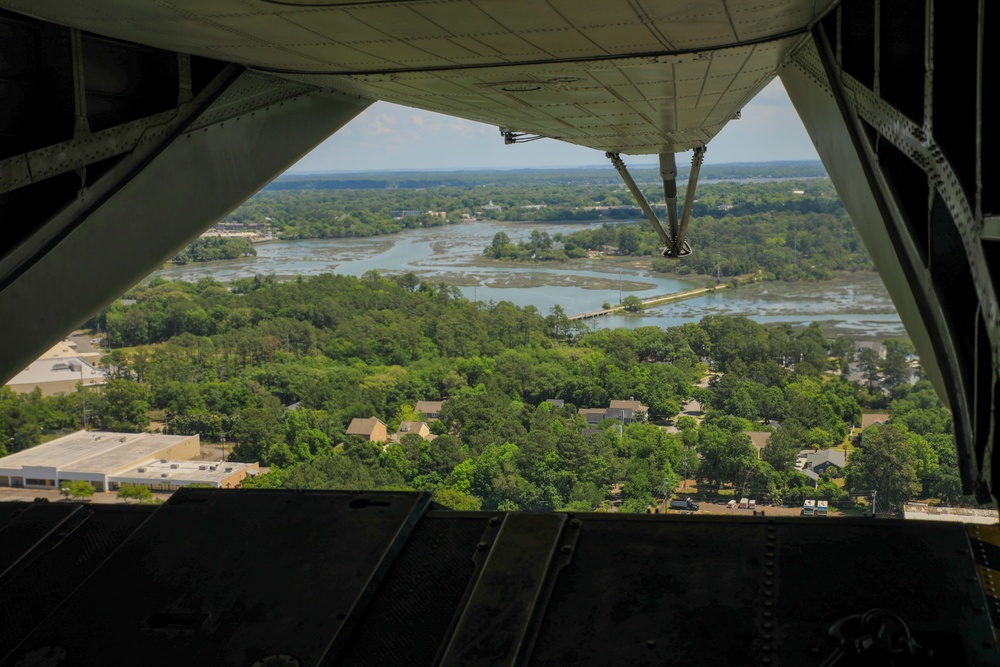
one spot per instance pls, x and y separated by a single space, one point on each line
684 504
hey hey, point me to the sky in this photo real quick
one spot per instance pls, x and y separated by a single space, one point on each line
388 137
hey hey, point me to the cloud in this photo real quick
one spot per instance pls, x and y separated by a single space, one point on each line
381 125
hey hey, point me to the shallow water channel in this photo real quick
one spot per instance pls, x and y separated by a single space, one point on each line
852 304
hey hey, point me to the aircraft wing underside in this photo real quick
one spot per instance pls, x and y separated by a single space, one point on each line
618 75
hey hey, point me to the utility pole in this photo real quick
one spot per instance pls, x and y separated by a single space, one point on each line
718 267
619 285
83 397
685 468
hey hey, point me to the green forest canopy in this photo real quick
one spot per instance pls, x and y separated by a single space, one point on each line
226 361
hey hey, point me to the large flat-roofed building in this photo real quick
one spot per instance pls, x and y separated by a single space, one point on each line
56 376
169 475
108 460
60 369
73 348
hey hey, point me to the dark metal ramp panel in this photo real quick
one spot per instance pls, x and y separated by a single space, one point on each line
56 565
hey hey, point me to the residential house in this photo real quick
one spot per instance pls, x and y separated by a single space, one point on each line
812 479
557 402
820 462
370 429
429 409
624 415
639 410
419 428
759 440
594 416
872 419
868 420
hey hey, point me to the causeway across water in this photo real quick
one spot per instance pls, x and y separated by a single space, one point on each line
659 300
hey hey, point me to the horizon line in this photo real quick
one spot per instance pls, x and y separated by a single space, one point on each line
311 172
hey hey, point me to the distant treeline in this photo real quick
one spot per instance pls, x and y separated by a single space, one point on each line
333 213
212 248
521 177
794 230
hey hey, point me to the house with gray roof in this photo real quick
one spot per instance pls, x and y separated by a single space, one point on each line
819 462
594 416
812 479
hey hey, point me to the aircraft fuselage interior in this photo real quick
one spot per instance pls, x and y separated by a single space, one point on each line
129 127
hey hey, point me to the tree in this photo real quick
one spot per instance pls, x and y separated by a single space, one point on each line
782 448
78 489
886 464
121 406
559 323
256 431
628 239
728 452
843 350
501 247
632 304
138 492
869 361
408 281
895 368
457 500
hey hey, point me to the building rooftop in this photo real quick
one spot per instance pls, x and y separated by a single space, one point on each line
364 427
834 456
960 514
811 474
183 472
45 370
92 451
630 404
759 438
62 349
873 418
428 407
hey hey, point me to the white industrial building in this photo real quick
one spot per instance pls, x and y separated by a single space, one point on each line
107 460
61 370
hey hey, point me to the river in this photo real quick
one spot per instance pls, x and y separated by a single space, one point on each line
852 304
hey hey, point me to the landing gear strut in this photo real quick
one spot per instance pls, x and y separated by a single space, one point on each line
675 243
